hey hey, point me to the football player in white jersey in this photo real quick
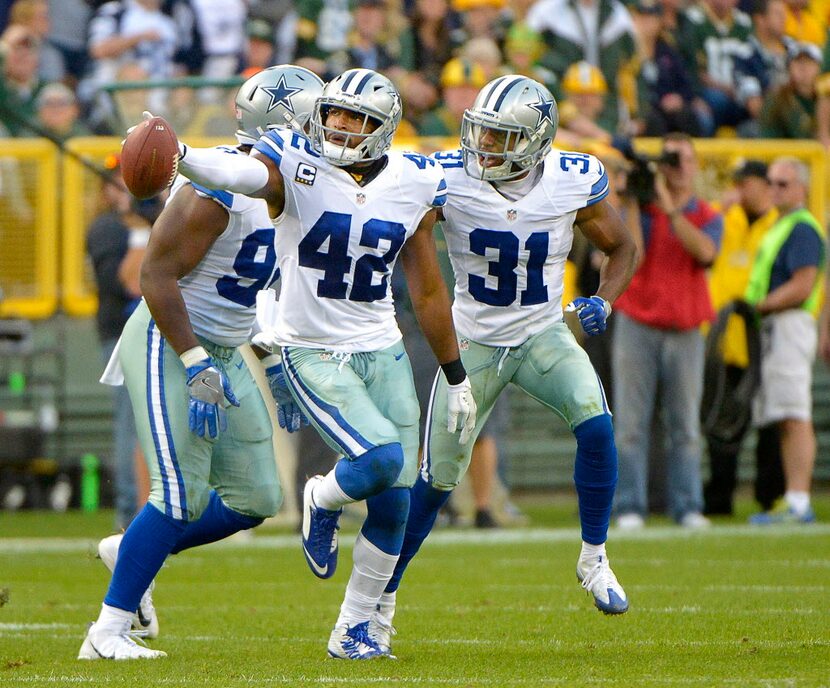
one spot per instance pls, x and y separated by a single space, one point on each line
356 208
212 470
511 207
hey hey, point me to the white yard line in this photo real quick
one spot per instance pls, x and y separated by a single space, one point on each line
452 538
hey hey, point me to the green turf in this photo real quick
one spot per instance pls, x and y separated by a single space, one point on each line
731 607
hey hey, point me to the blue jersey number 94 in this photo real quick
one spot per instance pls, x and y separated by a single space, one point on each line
335 263
254 265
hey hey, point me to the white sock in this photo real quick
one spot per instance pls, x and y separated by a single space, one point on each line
371 572
387 604
329 495
592 551
113 619
799 502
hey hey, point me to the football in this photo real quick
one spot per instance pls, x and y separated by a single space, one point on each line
149 157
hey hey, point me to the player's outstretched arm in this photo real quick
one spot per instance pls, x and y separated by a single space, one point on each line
253 175
431 304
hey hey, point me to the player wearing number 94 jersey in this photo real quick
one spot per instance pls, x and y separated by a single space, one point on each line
354 207
511 206
212 468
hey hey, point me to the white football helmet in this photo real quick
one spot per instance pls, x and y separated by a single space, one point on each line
368 93
522 112
276 98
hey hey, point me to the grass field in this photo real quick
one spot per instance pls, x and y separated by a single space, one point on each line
734 606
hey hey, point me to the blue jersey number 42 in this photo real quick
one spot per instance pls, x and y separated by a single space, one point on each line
326 248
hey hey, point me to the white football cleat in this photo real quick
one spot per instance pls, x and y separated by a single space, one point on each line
145 620
596 577
115 644
352 642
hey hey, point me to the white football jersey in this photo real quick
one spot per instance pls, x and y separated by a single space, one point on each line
220 292
339 243
509 256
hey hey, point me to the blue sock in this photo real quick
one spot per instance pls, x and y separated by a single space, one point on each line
425 503
216 523
595 476
370 473
143 550
386 519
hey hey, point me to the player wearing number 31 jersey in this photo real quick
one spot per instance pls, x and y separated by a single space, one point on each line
511 207
353 209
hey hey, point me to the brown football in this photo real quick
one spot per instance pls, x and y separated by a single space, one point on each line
149 158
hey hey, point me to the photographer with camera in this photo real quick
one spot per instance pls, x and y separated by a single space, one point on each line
657 342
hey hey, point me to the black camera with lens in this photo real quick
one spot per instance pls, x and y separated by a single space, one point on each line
641 177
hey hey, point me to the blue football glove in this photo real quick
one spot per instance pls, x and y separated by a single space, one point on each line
593 313
289 414
209 389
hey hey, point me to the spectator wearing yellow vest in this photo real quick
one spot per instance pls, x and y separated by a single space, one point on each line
745 223
784 287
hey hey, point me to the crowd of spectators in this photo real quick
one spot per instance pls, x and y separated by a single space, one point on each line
752 68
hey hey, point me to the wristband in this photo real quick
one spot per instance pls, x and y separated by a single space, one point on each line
454 372
193 356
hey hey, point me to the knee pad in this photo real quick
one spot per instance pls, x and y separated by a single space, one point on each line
371 472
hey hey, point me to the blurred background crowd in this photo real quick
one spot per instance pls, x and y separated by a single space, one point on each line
709 68
716 69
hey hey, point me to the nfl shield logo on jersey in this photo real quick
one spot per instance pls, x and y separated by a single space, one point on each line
511 215
360 198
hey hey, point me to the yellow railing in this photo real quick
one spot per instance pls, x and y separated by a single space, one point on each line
29 193
32 225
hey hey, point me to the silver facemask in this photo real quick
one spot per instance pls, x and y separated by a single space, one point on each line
374 97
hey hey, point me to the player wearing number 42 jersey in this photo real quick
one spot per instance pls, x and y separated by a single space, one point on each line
511 207
352 208
212 469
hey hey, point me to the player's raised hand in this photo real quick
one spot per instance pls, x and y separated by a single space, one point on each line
289 415
593 313
209 391
461 409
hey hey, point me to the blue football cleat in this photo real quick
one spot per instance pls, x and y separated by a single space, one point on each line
596 577
319 533
353 642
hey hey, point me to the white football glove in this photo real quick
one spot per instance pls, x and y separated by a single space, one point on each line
461 408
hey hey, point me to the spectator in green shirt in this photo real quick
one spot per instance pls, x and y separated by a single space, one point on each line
789 112
461 81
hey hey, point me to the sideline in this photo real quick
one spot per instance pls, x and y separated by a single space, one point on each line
453 538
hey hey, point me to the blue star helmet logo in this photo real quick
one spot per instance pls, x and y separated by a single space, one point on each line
543 107
281 95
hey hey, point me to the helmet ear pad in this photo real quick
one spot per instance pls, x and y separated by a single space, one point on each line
525 111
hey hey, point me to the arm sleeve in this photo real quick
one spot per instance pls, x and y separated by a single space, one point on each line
215 169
